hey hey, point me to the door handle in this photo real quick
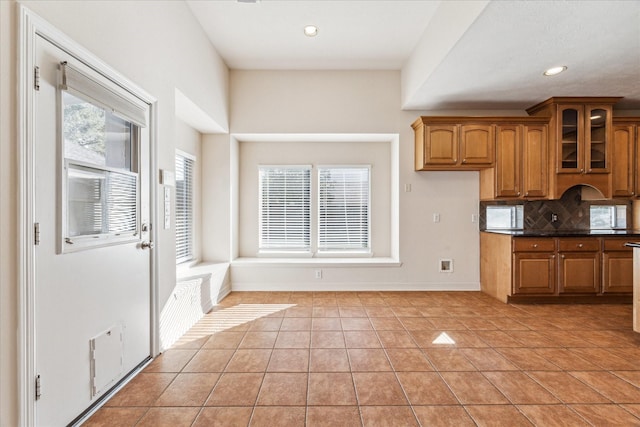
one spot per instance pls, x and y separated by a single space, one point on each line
147 245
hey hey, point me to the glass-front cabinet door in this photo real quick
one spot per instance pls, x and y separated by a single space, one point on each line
584 138
571 136
598 123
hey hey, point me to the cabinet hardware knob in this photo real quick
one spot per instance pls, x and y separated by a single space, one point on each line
535 245
580 245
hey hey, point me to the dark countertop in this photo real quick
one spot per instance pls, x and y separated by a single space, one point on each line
567 233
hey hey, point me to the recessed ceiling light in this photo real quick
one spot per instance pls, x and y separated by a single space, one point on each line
310 31
554 71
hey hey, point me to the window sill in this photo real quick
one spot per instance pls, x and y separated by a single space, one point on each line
197 269
316 262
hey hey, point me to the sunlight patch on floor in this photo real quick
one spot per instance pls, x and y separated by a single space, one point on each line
228 318
443 338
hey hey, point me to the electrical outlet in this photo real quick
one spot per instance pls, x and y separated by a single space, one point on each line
436 217
474 217
445 265
407 188
318 274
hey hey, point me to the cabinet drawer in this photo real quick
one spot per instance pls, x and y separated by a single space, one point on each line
616 245
578 245
534 245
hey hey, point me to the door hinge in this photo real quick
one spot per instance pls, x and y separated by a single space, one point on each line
38 388
36 78
36 233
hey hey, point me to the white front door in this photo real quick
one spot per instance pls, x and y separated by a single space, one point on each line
92 270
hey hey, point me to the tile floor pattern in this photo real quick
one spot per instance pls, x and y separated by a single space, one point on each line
390 359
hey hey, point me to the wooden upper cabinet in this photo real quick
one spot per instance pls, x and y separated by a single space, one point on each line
535 161
521 167
453 143
623 158
441 145
508 172
476 145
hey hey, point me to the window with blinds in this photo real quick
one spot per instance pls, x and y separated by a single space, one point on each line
184 207
343 208
100 130
285 208
342 212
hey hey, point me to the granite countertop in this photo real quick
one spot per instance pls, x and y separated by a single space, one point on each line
567 233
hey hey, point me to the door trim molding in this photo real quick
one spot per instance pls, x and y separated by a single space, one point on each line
30 26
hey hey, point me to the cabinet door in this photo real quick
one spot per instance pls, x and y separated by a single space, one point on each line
598 124
441 145
570 139
617 275
477 144
508 159
579 273
535 161
534 273
622 157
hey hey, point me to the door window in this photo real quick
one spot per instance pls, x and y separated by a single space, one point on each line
100 184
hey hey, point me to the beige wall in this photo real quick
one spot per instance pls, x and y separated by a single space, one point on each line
157 45
308 102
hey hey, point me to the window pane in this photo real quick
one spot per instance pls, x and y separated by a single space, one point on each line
100 202
94 135
505 217
184 208
343 211
608 217
285 217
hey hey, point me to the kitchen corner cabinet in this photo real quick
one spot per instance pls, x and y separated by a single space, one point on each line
625 179
452 143
581 135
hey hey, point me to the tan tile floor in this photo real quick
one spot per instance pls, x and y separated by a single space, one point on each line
390 359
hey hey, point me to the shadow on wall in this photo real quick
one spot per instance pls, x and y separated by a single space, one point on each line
193 297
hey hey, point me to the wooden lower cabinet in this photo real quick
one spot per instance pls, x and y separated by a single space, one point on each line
521 268
534 273
579 273
617 267
578 266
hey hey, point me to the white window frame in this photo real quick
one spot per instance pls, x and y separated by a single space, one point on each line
314 204
189 256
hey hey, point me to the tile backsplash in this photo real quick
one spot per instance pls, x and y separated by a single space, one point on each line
567 213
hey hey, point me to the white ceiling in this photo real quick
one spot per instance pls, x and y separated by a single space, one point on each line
453 54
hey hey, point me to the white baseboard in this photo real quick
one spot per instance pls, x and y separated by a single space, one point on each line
352 286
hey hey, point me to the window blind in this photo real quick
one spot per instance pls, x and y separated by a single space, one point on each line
343 208
285 208
119 102
184 208
101 201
